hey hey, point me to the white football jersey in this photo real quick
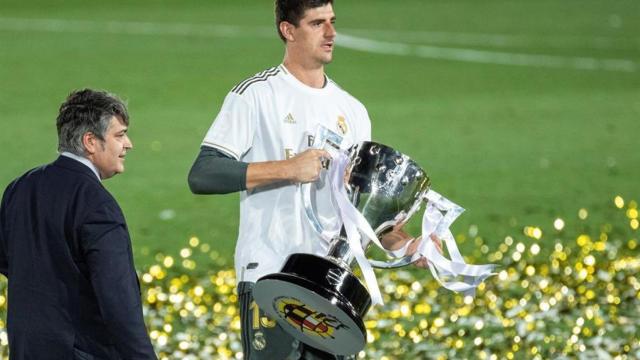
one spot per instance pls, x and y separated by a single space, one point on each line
271 116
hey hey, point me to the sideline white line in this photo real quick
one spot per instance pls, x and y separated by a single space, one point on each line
344 40
500 40
439 37
485 57
132 28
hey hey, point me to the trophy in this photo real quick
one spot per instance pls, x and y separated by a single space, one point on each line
316 299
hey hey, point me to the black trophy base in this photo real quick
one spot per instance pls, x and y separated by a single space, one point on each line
317 302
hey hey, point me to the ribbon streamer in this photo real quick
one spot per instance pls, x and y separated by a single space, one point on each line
434 222
438 216
354 224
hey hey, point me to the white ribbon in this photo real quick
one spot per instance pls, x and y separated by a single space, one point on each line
327 140
438 217
355 224
434 222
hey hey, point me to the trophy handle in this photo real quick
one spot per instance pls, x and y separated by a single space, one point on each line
328 140
307 193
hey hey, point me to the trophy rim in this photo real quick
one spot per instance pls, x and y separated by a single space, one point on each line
424 184
351 151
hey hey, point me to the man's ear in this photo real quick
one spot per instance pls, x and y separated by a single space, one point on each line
286 28
90 142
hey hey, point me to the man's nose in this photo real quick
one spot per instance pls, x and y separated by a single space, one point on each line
128 144
330 31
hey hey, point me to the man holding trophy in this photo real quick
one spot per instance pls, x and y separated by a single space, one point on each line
259 145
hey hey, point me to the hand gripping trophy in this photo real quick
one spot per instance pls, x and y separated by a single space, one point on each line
373 188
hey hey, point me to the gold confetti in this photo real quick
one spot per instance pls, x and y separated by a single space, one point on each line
552 298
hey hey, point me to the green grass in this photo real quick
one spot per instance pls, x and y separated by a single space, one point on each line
512 144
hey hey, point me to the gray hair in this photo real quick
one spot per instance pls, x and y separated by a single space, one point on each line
87 111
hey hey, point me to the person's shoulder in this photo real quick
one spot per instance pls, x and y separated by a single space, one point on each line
31 175
77 178
99 200
50 178
352 100
256 82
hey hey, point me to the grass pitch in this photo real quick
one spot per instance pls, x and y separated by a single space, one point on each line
538 120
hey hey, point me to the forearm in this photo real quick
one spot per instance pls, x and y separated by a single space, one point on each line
216 173
213 172
302 168
268 172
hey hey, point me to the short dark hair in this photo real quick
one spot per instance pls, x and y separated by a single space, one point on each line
292 11
85 111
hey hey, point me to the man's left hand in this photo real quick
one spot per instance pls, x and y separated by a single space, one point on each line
413 247
398 238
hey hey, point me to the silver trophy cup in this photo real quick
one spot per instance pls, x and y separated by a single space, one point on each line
317 299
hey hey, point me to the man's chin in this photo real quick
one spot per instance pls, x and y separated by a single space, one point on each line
111 174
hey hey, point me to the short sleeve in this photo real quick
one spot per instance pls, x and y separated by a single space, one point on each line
363 131
233 129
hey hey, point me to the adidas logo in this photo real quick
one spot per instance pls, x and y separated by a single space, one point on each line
289 119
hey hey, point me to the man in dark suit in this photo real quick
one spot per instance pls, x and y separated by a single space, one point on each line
73 292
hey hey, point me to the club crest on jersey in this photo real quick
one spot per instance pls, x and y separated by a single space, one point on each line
304 318
289 119
342 125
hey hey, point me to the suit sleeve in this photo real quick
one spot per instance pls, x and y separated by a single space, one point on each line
4 263
107 248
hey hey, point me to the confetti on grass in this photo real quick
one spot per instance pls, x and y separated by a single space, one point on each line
560 292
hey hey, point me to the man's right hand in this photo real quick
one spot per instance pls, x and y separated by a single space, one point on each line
302 168
306 166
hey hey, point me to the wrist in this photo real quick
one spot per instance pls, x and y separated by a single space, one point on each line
286 169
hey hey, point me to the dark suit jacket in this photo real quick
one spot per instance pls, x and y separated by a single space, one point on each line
65 249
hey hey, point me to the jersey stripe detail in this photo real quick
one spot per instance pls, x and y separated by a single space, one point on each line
267 74
222 148
263 76
261 73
